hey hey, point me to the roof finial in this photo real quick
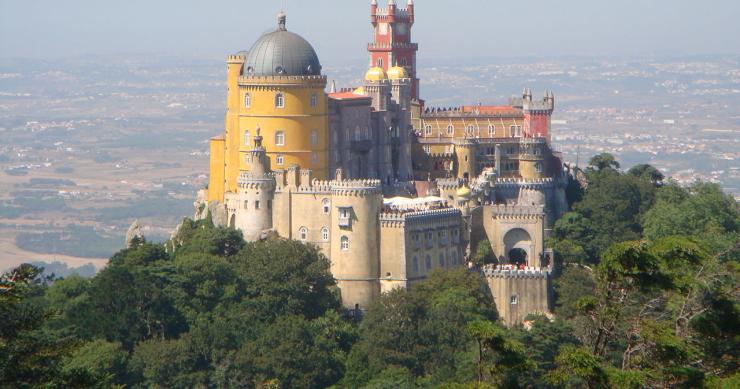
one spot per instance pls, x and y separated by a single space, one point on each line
281 21
258 139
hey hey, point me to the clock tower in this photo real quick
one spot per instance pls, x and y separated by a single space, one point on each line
392 45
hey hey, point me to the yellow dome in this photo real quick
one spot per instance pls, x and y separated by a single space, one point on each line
359 91
463 192
397 72
375 74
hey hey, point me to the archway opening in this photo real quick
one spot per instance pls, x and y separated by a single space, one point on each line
518 256
518 246
232 221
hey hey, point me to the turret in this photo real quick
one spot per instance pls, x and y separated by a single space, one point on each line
410 9
250 208
355 243
374 12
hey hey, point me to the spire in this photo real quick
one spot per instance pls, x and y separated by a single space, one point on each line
281 21
258 139
374 2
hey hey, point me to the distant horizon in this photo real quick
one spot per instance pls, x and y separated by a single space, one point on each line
534 29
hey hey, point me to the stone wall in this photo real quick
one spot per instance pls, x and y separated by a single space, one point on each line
518 293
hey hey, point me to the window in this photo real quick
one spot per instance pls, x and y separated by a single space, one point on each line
471 128
246 137
279 160
427 149
246 204
416 264
314 137
380 60
428 262
247 100
491 130
324 234
326 205
279 100
403 62
538 167
453 258
428 129
344 243
257 204
303 233
441 260
280 138
314 100
514 299
450 129
516 131
314 158
345 217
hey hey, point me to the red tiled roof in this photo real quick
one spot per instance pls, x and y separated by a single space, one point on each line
491 109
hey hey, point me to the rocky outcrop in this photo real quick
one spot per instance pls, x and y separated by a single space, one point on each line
134 236
204 208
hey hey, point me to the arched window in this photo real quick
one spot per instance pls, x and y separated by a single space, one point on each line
428 261
416 264
246 137
428 129
380 62
403 62
314 158
247 100
314 137
450 129
324 234
441 259
326 204
279 160
344 243
279 100
246 204
538 167
280 138
314 100
491 130
303 234
471 128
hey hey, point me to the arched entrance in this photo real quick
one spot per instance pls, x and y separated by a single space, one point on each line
518 246
518 256
232 221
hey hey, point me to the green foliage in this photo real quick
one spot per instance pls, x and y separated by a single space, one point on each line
577 367
603 161
422 329
484 254
702 211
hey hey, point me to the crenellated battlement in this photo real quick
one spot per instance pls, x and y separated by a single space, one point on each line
518 211
513 273
449 183
404 217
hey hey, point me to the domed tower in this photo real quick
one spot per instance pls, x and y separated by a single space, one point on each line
277 86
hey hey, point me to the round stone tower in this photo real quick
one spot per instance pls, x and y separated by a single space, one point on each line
355 240
250 207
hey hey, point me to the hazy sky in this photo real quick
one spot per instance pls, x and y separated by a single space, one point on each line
340 28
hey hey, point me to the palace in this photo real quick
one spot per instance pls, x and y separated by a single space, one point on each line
386 187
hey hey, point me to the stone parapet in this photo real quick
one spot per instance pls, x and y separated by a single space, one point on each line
519 211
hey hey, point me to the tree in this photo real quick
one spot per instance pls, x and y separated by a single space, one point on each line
603 161
647 172
576 366
484 254
500 360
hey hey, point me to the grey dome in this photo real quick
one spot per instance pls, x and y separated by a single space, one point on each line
282 53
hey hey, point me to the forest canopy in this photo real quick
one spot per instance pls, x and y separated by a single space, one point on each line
646 296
